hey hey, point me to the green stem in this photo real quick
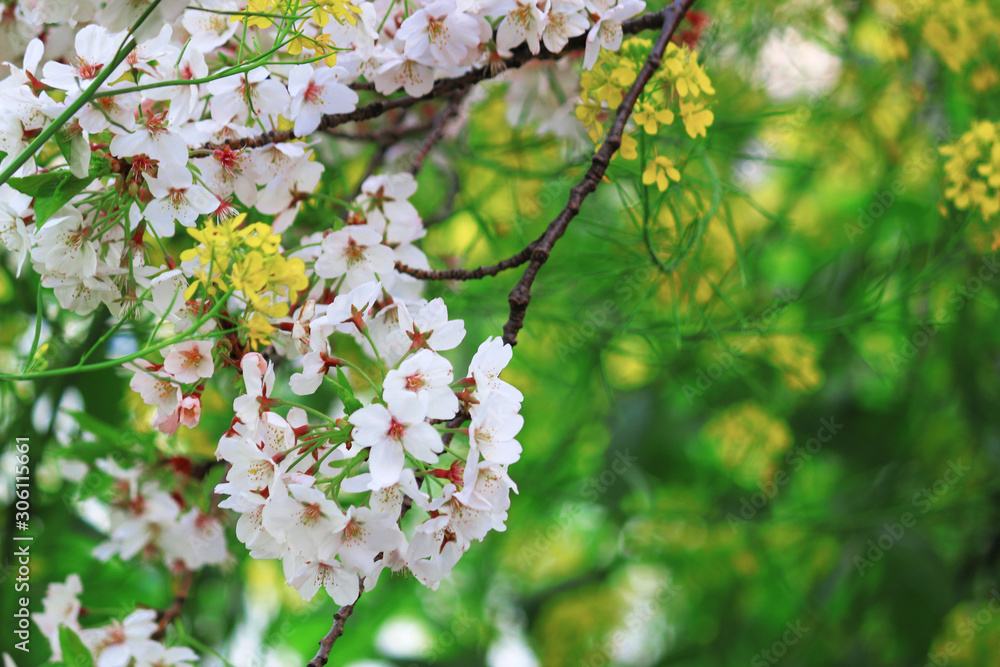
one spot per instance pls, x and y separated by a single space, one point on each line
314 411
38 331
111 363
357 369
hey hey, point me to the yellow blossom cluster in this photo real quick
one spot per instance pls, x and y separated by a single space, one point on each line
260 13
960 31
248 260
680 87
747 439
973 169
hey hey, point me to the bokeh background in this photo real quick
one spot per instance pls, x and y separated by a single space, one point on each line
762 419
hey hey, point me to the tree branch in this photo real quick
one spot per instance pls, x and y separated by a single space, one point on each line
519 57
326 644
470 274
520 296
174 610
437 130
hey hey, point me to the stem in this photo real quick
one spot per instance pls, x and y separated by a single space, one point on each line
111 363
306 408
38 331
354 367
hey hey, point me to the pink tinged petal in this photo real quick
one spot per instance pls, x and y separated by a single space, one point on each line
593 48
161 216
271 97
343 586
336 98
509 35
201 200
298 79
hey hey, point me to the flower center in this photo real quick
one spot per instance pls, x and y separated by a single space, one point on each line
396 430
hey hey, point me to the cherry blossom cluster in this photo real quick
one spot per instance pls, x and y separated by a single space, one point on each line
129 166
119 643
149 520
327 496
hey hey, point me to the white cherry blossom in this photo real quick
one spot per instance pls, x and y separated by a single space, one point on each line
315 92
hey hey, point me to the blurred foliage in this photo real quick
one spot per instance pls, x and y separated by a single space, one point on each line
736 390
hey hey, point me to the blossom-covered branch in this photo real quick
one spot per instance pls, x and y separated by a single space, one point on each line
520 296
519 56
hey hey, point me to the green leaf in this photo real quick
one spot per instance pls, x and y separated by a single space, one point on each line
76 149
75 654
51 191
346 392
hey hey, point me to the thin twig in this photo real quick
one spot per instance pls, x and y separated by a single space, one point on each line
388 134
174 610
340 617
437 130
326 644
520 296
470 274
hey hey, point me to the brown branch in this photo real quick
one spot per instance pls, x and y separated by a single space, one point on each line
174 610
470 274
520 296
326 644
519 57
389 134
437 130
340 617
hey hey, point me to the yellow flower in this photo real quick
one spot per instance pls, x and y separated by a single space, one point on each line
258 235
254 9
249 275
288 276
649 116
341 10
629 148
258 331
972 171
660 171
696 118
299 42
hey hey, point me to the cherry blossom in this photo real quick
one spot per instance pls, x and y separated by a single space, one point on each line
421 384
315 92
392 435
606 31
189 361
355 252
176 198
116 644
439 33
524 21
